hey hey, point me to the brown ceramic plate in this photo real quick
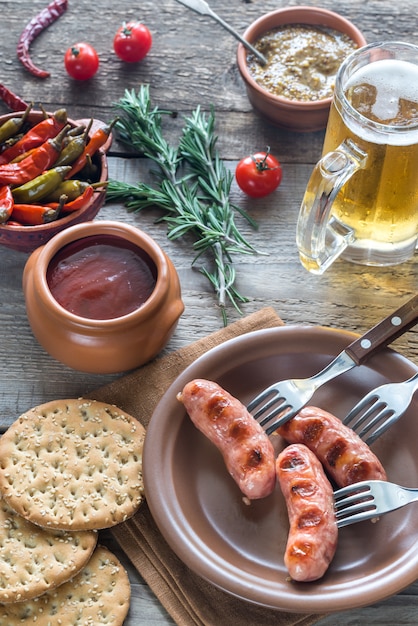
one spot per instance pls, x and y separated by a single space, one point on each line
239 548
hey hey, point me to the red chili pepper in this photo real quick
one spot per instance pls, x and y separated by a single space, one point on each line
6 203
42 158
96 141
12 100
33 214
13 223
20 158
75 205
37 135
37 24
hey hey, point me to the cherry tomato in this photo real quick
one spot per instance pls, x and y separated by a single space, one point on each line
259 174
81 61
132 42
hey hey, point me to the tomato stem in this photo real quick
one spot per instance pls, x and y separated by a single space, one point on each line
261 164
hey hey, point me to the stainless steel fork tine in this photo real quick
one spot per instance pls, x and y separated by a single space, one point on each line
351 492
370 499
284 408
273 413
352 502
266 409
358 517
261 398
264 406
383 417
355 509
369 402
380 409
281 420
383 428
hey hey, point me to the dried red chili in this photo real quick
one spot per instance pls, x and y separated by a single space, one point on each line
37 135
37 24
11 99
42 158
6 203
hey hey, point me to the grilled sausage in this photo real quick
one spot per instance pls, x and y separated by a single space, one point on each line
247 451
313 533
345 457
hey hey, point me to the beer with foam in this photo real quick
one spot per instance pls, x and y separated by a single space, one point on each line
362 199
380 201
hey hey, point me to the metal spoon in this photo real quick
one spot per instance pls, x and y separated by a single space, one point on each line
202 7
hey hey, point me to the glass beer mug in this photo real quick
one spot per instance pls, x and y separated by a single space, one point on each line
361 201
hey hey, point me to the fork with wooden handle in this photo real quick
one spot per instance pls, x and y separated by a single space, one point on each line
281 401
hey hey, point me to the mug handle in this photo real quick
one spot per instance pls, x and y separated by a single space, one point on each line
319 238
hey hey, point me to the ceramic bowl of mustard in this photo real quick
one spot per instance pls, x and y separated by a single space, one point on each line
304 47
27 237
102 297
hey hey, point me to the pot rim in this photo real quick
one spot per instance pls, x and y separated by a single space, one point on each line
313 16
117 229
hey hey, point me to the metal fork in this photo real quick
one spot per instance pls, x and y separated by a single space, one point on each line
281 401
381 408
369 499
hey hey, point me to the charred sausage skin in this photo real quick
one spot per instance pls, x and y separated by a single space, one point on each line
345 457
313 533
247 451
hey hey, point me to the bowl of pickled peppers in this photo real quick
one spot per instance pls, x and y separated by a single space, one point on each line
53 174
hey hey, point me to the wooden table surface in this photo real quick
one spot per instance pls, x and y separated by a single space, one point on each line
192 62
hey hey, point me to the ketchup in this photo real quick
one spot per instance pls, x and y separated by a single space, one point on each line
101 277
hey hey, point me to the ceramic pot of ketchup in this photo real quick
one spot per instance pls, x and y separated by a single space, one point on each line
102 297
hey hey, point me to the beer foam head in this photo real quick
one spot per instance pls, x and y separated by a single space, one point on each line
393 81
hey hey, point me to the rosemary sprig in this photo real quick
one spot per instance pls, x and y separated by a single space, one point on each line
192 188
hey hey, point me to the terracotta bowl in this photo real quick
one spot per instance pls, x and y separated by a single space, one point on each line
113 344
28 238
291 114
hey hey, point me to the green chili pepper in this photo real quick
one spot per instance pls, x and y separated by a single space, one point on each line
76 131
72 188
12 126
41 186
71 151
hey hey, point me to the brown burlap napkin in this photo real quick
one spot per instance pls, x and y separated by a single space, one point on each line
189 599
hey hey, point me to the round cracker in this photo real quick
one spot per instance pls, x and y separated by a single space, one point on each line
34 560
99 594
73 465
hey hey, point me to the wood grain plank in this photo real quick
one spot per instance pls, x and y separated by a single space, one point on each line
192 63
